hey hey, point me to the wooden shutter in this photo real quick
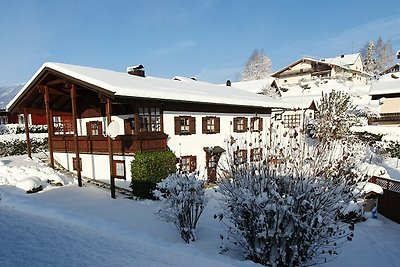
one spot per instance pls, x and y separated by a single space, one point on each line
177 125
260 125
252 154
193 163
192 125
204 124
217 125
252 124
99 127
127 127
235 124
88 128
245 127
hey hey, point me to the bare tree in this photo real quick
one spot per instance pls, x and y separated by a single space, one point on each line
382 56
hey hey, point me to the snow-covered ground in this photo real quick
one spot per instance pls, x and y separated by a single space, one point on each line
71 226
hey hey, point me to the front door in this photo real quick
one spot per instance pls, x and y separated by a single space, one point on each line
212 163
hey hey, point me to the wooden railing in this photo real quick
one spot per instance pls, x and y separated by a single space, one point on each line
385 117
122 145
389 202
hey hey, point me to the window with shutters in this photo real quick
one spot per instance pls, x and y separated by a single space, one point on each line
185 125
119 169
74 164
188 164
149 120
94 128
211 125
239 124
256 124
256 154
240 156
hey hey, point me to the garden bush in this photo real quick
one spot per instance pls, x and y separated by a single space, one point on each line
149 168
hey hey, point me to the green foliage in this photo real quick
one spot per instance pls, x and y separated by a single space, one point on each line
369 138
149 168
19 147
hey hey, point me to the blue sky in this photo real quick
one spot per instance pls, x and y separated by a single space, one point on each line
209 39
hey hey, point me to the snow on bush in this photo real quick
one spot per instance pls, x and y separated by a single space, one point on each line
288 212
183 202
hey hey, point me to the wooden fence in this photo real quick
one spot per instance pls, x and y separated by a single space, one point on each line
389 202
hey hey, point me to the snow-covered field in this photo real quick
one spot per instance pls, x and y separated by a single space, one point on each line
71 226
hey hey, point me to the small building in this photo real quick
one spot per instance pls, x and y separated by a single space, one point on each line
393 69
346 67
387 91
193 119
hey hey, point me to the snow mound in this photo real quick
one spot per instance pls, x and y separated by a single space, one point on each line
29 183
373 170
367 187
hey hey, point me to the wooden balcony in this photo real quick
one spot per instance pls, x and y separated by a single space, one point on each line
122 144
385 118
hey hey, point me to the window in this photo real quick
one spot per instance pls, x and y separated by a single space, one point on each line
74 164
149 120
188 164
256 154
240 156
119 169
129 126
94 128
211 125
63 125
21 119
278 117
256 124
3 119
239 124
291 121
185 125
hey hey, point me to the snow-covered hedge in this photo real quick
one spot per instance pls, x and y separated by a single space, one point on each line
18 129
19 147
183 202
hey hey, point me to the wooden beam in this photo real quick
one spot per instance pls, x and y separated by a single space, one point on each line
53 91
49 124
110 150
75 124
54 82
28 140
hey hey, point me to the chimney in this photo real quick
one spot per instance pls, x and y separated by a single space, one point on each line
228 83
342 56
136 70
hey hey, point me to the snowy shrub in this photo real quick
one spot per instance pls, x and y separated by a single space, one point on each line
19 147
183 202
20 129
287 212
149 168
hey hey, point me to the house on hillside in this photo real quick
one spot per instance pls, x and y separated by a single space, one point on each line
6 95
387 91
392 69
193 119
346 67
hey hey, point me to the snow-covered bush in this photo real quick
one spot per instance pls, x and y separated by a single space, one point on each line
183 202
20 129
19 147
287 212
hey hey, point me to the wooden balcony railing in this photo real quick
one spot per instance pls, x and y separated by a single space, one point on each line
122 144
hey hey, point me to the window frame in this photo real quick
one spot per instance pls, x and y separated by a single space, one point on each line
253 122
115 163
191 125
292 120
240 156
188 164
90 131
211 125
236 124
149 121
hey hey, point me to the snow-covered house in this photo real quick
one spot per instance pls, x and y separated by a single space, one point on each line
6 95
392 69
193 119
387 91
346 67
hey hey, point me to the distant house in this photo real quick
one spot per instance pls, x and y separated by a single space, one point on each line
387 91
193 119
392 69
6 95
346 67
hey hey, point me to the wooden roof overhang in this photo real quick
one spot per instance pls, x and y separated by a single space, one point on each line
59 87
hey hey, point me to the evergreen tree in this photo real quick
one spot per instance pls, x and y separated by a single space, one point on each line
258 66
369 61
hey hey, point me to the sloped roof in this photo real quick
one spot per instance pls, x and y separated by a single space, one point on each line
387 84
342 61
7 93
124 84
254 86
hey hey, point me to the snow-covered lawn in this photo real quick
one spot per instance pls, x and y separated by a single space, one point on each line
71 226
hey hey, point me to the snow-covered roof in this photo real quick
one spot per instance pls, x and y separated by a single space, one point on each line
124 84
7 93
254 86
387 84
343 60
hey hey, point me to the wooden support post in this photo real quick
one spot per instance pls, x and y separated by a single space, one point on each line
110 150
49 124
28 140
76 142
